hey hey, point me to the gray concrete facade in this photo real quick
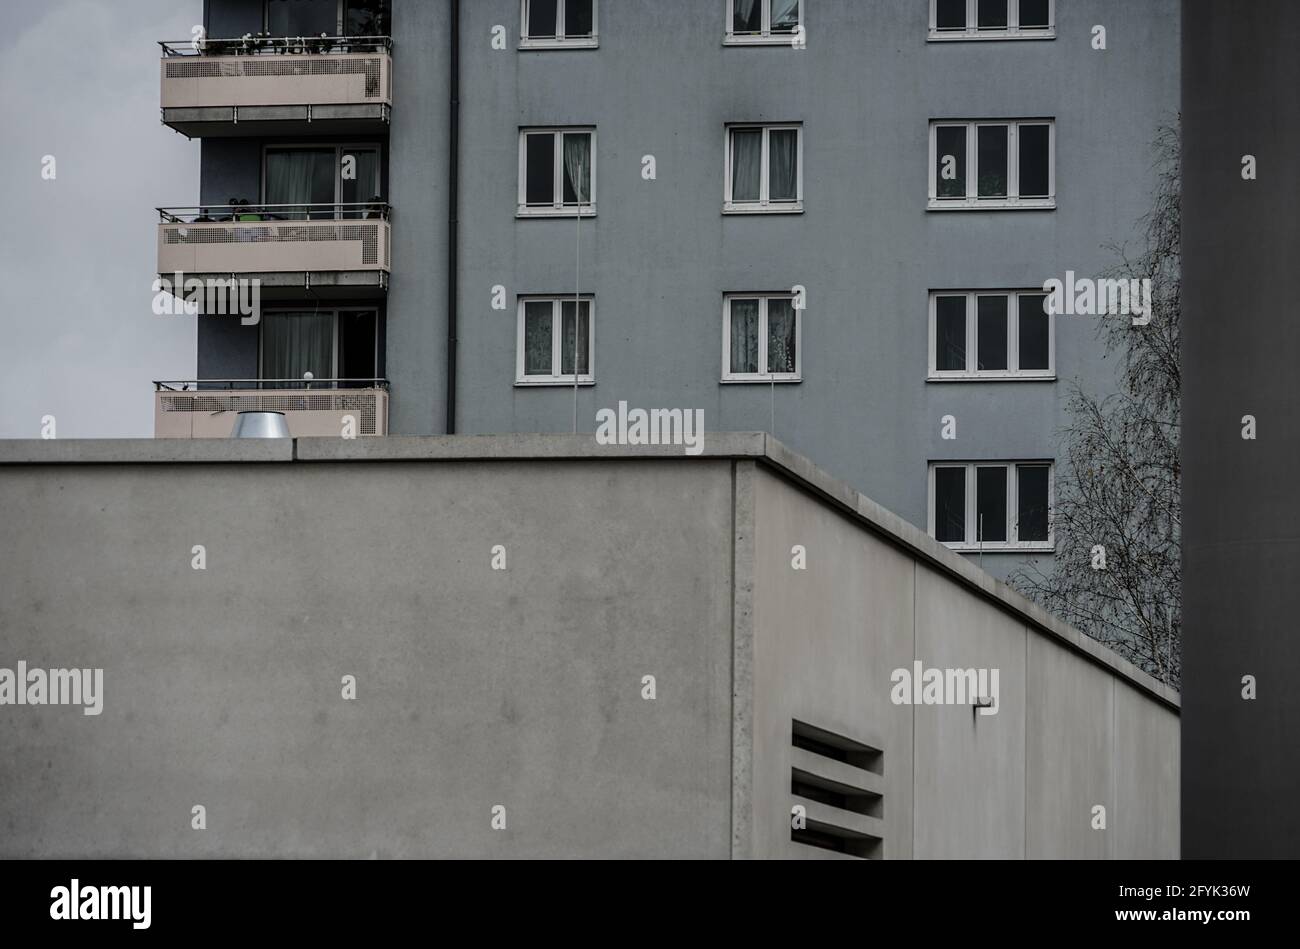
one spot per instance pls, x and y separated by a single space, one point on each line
659 255
524 686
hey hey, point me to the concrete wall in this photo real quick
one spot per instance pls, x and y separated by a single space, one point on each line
1070 733
475 687
660 255
523 687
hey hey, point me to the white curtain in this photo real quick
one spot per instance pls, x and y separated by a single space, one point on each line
577 169
300 176
567 341
537 338
744 336
297 343
746 164
783 165
780 336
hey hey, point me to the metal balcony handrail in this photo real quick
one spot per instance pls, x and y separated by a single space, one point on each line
191 385
235 213
256 44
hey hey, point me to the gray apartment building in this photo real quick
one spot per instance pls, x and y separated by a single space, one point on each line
827 219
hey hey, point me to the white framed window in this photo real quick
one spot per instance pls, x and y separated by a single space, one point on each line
991 505
992 20
559 24
552 343
991 334
557 172
992 163
762 338
763 22
764 169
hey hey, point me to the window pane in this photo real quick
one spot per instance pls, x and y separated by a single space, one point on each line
537 338
294 344
363 185
1032 502
303 176
302 17
992 161
746 163
1033 161
367 18
539 159
991 332
950 15
747 16
357 345
1033 14
780 335
783 160
785 15
991 504
1033 331
541 18
950 158
950 505
992 14
577 17
950 334
577 167
744 336
566 338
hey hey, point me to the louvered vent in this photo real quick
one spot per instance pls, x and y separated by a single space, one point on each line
839 783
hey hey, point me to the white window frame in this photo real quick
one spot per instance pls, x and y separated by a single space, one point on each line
762 375
1012 200
560 41
764 205
765 37
557 208
972 372
556 378
335 311
972 31
971 544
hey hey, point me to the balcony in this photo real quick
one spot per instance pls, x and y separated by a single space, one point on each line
207 408
278 86
288 248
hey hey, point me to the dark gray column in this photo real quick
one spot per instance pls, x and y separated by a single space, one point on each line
1241 350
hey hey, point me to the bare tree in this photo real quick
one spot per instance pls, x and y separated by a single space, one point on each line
1117 519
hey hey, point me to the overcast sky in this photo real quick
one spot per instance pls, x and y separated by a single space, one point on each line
78 338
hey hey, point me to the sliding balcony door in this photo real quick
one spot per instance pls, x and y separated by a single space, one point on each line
321 176
302 17
330 344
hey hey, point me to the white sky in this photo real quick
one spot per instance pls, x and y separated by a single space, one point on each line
78 255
